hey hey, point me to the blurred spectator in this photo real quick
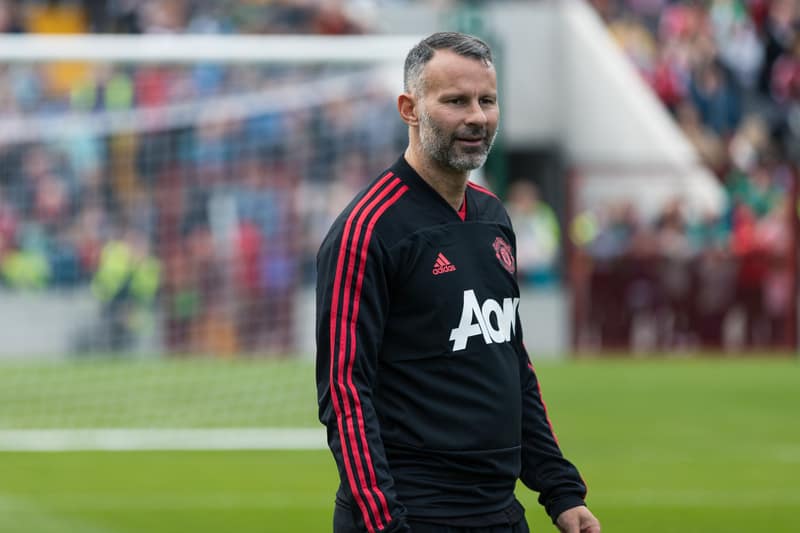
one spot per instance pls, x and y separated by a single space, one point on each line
780 28
122 16
785 82
708 145
716 98
126 283
89 233
737 39
182 304
50 17
213 325
754 190
635 40
774 232
749 144
163 16
25 269
618 227
10 19
675 282
713 297
250 295
267 250
667 79
8 225
752 273
538 233
330 18
610 312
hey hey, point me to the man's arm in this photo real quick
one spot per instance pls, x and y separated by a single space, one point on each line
544 468
352 301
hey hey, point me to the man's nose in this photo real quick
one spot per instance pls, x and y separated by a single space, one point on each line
476 114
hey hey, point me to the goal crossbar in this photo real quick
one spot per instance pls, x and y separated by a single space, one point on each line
280 49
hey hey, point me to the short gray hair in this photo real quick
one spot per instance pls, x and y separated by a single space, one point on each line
461 43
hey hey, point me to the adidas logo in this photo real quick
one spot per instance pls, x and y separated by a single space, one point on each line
442 265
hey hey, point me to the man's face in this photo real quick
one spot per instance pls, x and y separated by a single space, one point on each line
458 112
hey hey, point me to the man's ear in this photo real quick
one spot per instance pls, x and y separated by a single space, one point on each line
407 107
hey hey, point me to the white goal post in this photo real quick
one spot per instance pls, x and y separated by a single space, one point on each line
183 48
70 402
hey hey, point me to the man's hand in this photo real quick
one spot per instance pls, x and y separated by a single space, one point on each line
578 520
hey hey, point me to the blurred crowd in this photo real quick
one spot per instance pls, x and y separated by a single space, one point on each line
729 72
328 17
199 217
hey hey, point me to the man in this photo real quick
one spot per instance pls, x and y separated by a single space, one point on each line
432 407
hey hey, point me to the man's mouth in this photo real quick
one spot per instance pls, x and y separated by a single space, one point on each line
471 137
470 140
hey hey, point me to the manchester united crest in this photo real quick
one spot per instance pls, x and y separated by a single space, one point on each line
503 252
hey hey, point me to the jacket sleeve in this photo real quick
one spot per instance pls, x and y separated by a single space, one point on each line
352 303
544 468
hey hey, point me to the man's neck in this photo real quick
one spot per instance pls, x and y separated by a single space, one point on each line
448 183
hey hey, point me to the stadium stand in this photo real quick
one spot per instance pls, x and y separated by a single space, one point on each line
729 72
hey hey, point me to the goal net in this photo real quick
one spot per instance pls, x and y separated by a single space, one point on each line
161 203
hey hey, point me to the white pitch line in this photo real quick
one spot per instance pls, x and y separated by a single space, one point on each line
93 501
51 440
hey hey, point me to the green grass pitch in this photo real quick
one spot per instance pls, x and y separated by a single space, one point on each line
665 446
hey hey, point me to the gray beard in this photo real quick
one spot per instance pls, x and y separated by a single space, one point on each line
443 149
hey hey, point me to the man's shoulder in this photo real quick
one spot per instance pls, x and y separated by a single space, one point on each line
488 204
377 200
370 208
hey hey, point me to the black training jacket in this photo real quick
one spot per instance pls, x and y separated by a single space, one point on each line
432 407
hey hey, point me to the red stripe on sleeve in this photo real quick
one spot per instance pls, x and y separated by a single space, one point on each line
354 318
544 405
547 417
354 485
346 360
342 390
